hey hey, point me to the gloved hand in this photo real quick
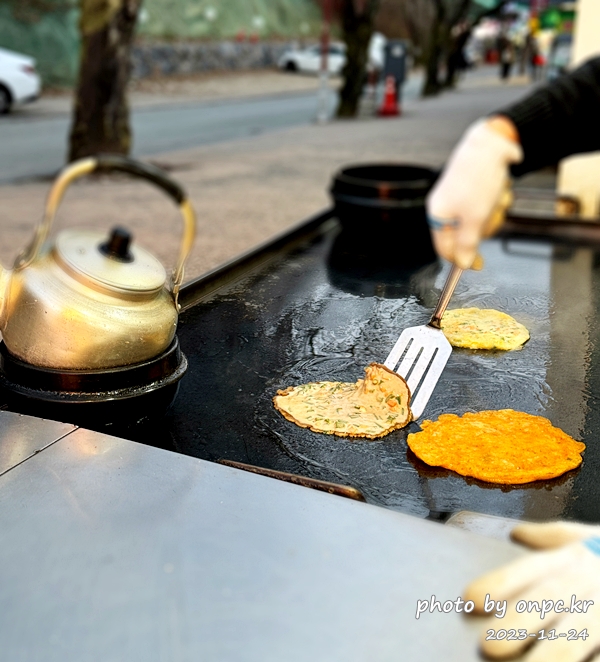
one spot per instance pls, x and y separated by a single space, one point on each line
569 572
552 534
470 189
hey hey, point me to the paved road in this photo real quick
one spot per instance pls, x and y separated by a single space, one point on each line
35 146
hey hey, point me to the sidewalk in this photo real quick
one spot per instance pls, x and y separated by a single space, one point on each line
245 191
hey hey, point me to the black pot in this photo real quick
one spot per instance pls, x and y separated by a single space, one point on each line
381 208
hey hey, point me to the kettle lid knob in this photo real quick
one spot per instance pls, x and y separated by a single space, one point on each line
112 263
117 245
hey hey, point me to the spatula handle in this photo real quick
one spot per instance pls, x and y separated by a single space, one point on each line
445 296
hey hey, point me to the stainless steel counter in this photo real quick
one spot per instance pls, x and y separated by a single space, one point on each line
21 437
112 550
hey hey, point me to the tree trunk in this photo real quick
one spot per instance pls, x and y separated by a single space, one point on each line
357 17
455 62
456 35
418 17
435 47
101 113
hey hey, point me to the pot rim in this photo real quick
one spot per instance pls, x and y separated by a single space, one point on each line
426 181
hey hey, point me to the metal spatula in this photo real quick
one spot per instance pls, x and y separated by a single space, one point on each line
421 352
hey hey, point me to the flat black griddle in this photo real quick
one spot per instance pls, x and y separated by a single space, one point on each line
315 305
319 308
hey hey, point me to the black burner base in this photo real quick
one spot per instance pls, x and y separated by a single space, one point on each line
96 399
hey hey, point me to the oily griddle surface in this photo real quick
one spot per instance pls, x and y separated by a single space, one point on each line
311 315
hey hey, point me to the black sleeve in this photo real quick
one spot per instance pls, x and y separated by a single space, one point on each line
559 119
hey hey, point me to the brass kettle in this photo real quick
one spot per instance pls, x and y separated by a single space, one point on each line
88 302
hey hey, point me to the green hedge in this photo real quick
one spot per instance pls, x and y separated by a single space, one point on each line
52 37
52 40
222 19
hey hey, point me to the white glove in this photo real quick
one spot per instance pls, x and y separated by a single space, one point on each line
552 534
469 190
570 572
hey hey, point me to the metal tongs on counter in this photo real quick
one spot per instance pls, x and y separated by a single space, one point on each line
421 352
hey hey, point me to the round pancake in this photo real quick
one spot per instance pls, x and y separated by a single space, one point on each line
504 446
371 407
483 328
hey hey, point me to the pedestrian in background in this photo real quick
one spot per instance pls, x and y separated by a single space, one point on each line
506 50
536 59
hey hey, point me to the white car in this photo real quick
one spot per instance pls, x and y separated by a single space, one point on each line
308 60
19 81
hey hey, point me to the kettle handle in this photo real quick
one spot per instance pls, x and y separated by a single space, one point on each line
107 163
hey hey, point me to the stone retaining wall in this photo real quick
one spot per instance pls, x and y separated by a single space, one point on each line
186 57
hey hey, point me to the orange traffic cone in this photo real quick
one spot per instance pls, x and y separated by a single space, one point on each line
389 107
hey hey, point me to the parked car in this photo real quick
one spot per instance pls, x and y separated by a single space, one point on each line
19 81
308 60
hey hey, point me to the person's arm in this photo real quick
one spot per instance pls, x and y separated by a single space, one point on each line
561 119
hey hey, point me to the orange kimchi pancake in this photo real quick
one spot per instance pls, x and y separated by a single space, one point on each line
504 446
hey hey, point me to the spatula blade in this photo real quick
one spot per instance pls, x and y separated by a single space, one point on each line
419 356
